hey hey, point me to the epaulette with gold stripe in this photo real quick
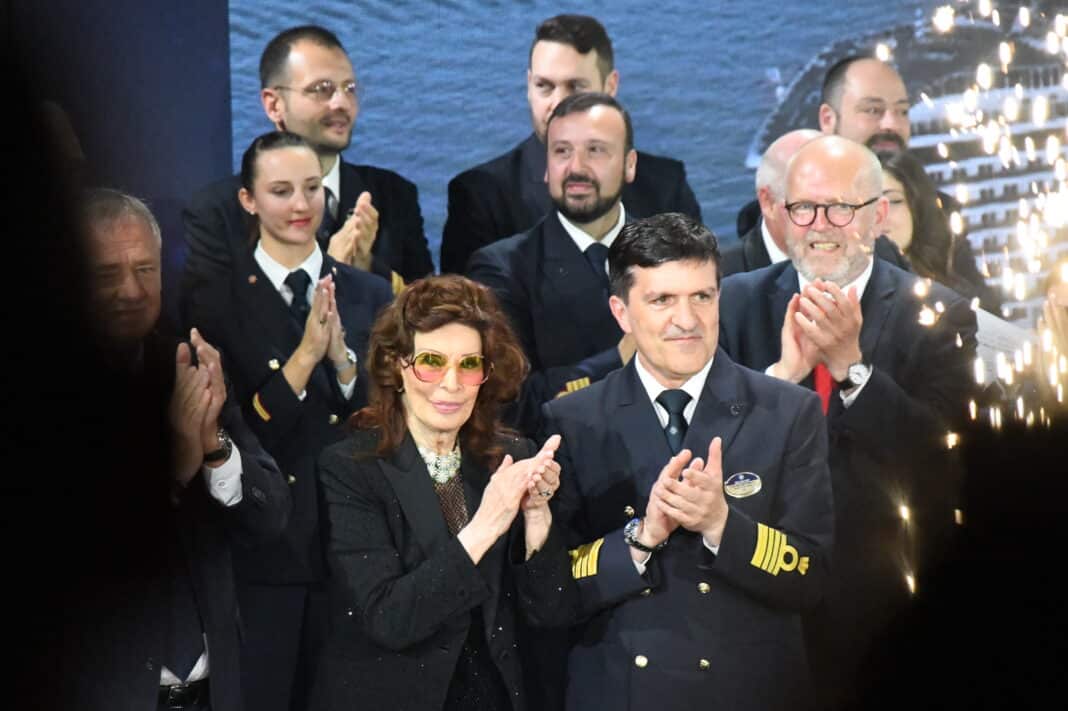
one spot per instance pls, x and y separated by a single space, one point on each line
584 559
257 405
773 554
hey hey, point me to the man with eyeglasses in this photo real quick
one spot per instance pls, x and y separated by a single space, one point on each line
371 218
890 356
765 242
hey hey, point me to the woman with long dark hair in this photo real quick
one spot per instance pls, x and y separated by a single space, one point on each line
438 524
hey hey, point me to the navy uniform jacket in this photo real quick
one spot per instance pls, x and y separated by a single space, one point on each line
558 308
507 195
115 657
887 449
247 319
697 630
403 589
217 230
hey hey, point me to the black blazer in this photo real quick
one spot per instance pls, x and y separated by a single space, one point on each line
886 449
246 318
557 306
114 659
217 229
749 252
507 195
645 636
402 588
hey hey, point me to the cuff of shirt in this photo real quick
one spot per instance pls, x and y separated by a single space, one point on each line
224 481
347 389
642 565
709 546
848 398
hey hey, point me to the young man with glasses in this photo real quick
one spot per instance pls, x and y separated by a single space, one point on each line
371 217
849 326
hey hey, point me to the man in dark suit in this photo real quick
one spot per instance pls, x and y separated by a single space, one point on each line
507 195
891 359
765 242
371 219
200 479
692 571
552 280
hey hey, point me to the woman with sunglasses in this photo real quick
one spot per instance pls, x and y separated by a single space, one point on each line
438 524
292 324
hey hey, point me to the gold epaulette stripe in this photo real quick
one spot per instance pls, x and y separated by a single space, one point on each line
397 282
257 405
584 559
774 554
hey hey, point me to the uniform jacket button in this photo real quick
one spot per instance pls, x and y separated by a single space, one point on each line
703 588
704 665
641 661
628 511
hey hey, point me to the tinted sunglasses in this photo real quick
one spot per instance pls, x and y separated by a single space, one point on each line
431 366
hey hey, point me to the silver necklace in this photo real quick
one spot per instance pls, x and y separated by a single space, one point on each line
441 467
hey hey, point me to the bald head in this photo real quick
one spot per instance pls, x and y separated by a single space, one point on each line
864 99
834 174
771 173
771 181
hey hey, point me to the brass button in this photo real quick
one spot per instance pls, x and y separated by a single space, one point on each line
641 661
273 364
704 665
291 479
333 419
703 588
647 592
628 511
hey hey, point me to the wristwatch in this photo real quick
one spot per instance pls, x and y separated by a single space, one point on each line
350 361
630 537
856 375
223 452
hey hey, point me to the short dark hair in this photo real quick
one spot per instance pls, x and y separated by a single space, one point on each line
580 32
656 240
834 79
583 102
276 54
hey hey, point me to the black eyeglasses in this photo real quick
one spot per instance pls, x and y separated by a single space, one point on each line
839 214
323 91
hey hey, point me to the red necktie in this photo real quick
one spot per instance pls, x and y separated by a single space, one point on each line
824 385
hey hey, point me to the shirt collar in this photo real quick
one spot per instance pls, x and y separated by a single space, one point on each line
653 388
774 253
582 239
332 179
277 273
861 282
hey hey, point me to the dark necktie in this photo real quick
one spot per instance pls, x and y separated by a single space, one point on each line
824 385
596 254
329 225
674 401
298 281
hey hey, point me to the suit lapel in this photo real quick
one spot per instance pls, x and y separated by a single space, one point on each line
720 409
565 267
407 474
532 163
875 306
756 254
643 436
475 478
351 186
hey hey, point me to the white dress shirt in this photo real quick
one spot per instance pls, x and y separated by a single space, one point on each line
276 274
776 254
582 239
653 388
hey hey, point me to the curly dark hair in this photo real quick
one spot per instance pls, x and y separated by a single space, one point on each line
423 306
